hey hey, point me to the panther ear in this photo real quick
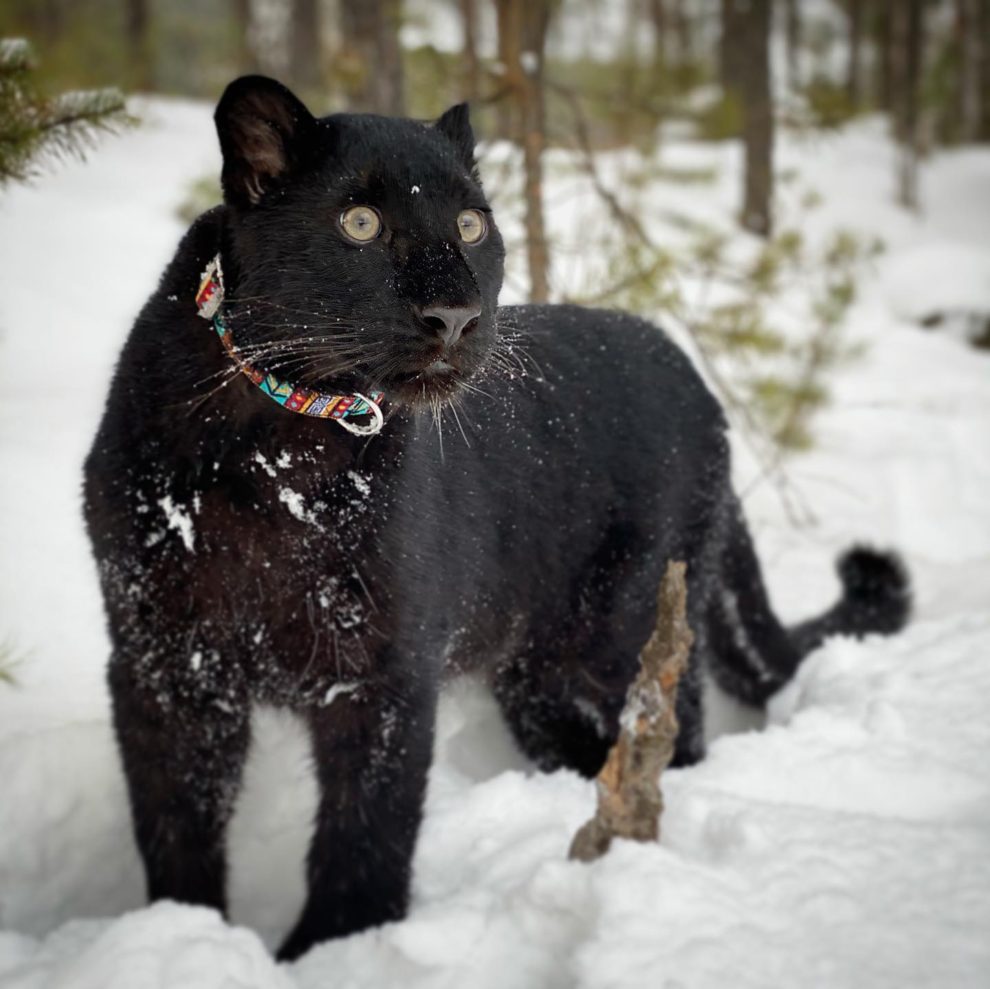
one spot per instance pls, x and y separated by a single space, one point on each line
455 125
265 134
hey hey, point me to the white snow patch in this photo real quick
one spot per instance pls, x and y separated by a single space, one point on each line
178 519
937 278
296 505
262 460
166 946
155 537
361 482
339 690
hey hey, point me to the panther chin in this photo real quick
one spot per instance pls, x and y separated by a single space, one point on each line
435 383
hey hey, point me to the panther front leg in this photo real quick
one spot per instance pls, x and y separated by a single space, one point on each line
183 750
372 743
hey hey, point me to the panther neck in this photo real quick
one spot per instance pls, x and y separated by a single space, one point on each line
347 411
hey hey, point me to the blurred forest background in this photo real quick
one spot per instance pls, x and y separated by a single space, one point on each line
588 88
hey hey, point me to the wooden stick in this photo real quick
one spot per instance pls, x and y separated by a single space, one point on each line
629 797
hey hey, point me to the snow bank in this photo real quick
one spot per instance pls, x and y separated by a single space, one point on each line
165 947
941 285
937 278
843 846
847 844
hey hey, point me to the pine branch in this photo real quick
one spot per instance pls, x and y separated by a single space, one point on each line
15 56
36 130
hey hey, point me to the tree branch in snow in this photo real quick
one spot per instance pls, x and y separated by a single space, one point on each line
629 796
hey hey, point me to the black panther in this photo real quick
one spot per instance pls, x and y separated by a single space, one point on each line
357 472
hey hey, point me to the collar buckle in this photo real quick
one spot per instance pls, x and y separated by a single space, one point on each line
211 290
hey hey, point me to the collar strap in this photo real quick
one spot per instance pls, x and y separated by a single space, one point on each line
339 408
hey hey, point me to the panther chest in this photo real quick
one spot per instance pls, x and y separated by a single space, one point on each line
270 564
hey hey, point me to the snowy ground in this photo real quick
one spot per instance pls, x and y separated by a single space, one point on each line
846 845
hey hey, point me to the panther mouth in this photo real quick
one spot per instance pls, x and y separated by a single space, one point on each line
438 381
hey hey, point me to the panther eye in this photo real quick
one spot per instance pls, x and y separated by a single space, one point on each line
361 223
471 225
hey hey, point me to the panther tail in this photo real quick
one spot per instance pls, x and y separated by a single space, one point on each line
752 655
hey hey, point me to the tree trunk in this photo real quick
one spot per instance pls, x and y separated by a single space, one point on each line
908 32
658 21
136 28
886 62
305 57
523 28
45 20
971 53
247 57
371 57
854 89
757 112
731 52
792 42
394 95
983 71
507 37
683 32
472 64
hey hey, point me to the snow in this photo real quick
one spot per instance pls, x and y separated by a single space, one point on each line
296 505
262 461
165 945
179 520
954 294
844 844
339 690
361 482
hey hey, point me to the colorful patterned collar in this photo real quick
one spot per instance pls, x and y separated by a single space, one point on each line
339 408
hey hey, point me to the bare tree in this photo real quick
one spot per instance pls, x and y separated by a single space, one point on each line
522 35
753 22
472 64
371 55
136 28
983 70
884 42
45 20
247 57
908 35
661 41
854 69
731 52
972 51
792 42
683 28
744 71
305 56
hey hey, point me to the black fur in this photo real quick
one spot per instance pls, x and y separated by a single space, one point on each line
251 554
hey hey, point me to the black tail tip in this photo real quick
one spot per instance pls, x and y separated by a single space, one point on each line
877 590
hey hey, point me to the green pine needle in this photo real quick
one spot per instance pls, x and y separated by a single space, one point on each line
38 130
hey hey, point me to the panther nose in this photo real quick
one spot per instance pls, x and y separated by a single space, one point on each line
449 322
